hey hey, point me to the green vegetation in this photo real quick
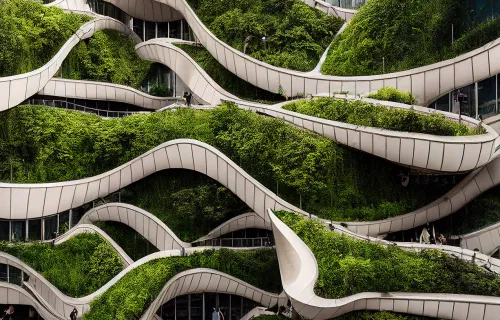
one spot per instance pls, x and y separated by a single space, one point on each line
406 34
384 315
477 214
77 267
348 266
47 144
32 34
182 199
226 79
296 35
370 115
393 94
131 295
134 245
107 56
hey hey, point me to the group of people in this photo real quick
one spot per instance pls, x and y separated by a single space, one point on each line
8 314
428 236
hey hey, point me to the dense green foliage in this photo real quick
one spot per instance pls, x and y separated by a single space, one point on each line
77 267
296 34
107 56
370 115
131 295
348 266
182 199
31 34
384 315
407 34
477 214
393 94
134 245
226 79
48 144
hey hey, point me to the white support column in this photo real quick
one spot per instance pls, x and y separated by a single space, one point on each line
143 30
57 230
131 23
496 94
70 223
43 229
182 30
168 29
27 230
156 30
10 231
476 96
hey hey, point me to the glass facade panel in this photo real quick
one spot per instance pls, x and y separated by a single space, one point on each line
443 103
182 308
15 275
235 307
175 29
487 97
196 306
35 229
50 228
4 230
210 304
224 305
167 310
150 30
18 230
63 222
162 29
464 99
3 272
138 27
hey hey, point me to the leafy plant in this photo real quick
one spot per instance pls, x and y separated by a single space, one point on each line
77 267
370 115
160 90
348 266
139 287
393 94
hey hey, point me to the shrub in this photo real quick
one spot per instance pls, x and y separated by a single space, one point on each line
348 266
77 267
405 34
132 294
32 34
366 114
296 35
160 90
108 56
393 94
333 181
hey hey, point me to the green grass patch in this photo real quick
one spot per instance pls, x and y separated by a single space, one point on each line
405 34
296 35
370 115
77 267
43 144
131 295
348 266
393 94
32 34
226 79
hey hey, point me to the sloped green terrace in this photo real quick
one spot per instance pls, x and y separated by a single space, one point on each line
405 34
138 288
370 115
295 34
40 145
348 266
77 267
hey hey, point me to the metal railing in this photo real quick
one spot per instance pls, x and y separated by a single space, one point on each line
73 106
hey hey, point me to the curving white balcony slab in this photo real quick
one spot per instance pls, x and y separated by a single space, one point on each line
145 223
208 280
436 153
325 7
16 89
14 295
425 83
93 90
487 240
299 272
243 221
26 201
89 228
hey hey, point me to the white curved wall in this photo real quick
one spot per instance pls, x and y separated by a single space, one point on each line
16 89
92 90
243 221
487 240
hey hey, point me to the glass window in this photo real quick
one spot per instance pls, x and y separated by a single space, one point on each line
487 97
167 310
18 230
181 308
196 306
210 304
3 272
226 243
76 215
15 275
248 305
50 227
63 222
443 103
35 230
464 99
138 27
235 307
175 29
224 305
4 230
162 29
150 30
